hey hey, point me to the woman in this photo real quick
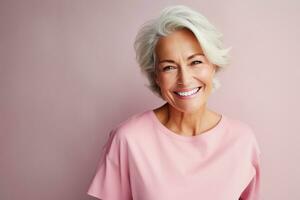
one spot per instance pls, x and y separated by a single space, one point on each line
181 150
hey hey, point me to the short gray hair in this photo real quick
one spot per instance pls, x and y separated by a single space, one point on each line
171 19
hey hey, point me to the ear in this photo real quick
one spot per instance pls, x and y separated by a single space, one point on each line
215 68
156 79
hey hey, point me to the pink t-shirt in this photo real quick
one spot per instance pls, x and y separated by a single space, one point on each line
144 160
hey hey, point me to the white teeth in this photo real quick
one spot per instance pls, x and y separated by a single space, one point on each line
188 93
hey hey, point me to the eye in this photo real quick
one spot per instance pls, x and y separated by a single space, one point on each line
168 68
196 62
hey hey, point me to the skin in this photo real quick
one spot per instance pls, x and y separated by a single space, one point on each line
181 64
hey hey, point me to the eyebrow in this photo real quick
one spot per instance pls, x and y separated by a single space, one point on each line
190 57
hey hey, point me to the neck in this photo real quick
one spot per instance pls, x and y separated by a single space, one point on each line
185 123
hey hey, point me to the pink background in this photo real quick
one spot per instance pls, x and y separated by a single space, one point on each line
68 75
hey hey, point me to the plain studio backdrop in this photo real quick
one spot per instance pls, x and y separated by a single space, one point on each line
68 75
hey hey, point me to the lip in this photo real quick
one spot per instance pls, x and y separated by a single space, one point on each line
191 96
187 89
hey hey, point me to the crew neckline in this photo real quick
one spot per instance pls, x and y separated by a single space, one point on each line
207 134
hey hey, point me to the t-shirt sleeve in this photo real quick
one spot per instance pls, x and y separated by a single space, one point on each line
252 191
111 181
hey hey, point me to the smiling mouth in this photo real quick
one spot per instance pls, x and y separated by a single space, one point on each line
189 93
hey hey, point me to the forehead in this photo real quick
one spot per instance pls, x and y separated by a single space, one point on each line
181 41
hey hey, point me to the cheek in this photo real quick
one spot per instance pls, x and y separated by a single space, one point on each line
205 74
166 82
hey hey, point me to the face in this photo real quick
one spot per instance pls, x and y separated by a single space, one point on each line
183 73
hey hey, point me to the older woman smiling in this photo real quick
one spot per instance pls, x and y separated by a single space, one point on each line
183 149
184 76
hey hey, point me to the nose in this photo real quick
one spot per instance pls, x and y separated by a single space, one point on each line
184 76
